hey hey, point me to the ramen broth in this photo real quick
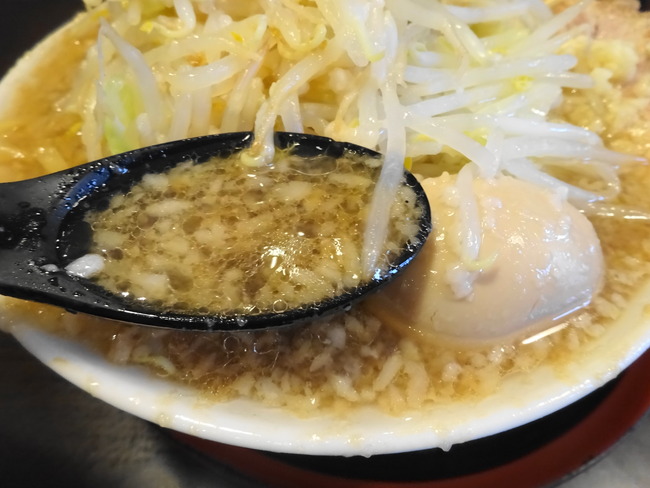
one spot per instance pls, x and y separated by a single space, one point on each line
223 237
339 362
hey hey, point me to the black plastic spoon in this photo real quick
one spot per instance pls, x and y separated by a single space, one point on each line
42 230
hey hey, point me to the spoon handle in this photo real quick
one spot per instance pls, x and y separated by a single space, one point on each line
29 224
21 218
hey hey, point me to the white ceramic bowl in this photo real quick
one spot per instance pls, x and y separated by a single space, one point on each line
365 431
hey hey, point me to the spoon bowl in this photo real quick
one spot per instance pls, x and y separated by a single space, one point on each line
43 229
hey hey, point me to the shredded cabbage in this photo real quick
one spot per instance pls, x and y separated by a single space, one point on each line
421 81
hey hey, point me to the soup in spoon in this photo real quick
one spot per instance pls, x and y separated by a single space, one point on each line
224 238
